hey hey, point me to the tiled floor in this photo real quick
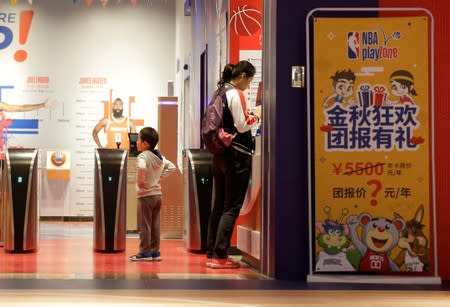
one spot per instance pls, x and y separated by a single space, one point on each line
223 298
66 252
66 272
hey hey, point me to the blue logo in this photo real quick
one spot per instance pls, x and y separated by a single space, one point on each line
353 45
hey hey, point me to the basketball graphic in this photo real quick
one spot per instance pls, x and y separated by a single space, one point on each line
245 20
58 158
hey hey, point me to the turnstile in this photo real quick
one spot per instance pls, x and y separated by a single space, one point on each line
20 180
110 189
2 202
198 187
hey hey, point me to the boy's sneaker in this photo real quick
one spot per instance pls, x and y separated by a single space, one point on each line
142 257
227 263
156 256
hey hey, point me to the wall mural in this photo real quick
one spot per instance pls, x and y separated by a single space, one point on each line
64 70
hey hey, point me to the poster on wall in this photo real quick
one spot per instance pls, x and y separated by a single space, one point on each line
245 31
245 27
372 172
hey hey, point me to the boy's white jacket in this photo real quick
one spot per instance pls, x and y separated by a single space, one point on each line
149 169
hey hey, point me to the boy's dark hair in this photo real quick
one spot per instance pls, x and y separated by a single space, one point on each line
149 135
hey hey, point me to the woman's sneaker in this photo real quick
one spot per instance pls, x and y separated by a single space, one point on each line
156 256
208 262
142 257
227 263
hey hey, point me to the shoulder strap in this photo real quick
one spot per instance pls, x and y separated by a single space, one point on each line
222 90
227 117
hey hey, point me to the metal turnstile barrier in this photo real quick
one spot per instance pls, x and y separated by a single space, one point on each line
110 199
2 202
198 187
21 215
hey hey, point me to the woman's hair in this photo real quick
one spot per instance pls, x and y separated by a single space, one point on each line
149 135
232 71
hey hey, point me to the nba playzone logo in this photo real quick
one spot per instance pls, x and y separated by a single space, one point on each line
371 45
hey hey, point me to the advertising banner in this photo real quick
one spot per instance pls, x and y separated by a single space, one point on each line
245 33
373 202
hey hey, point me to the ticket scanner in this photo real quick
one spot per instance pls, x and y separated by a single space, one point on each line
20 179
198 187
110 193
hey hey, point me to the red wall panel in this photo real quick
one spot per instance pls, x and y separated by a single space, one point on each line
440 9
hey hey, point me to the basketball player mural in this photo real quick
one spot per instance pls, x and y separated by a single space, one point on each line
5 122
116 127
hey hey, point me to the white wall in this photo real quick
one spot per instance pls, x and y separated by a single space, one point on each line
204 30
182 57
131 48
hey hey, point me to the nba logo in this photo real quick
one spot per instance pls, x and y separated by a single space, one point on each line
353 45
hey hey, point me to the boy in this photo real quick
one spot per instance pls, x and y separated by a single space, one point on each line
151 166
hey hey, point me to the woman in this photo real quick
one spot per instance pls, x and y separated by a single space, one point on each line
231 169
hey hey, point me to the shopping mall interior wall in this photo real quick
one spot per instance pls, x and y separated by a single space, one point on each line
183 66
192 75
440 10
286 109
81 58
204 29
289 187
290 165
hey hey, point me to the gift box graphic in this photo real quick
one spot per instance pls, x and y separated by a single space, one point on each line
379 95
365 95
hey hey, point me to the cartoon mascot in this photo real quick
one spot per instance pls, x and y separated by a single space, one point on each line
378 237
